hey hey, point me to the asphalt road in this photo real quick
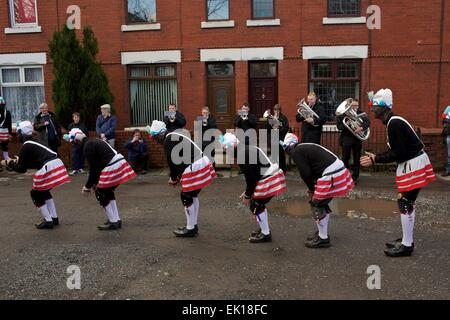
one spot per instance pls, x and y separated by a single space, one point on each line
144 260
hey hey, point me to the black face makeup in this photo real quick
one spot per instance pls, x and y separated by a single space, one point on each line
378 112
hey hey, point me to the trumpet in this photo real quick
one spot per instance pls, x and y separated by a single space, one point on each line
205 121
352 121
172 116
272 119
243 114
305 110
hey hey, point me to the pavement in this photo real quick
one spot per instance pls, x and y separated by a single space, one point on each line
144 260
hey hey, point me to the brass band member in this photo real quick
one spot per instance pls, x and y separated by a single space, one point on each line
208 122
278 121
414 168
351 144
174 119
311 131
245 120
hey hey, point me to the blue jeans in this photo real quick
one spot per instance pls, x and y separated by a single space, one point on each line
448 154
77 158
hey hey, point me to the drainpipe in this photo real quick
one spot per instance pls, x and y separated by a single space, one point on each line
441 56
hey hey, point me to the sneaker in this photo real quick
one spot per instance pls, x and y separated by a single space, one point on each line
55 221
400 251
318 242
81 171
260 237
185 233
110 226
44 225
182 228
396 243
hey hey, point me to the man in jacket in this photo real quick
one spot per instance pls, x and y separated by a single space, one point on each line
48 128
106 125
174 119
280 123
137 152
311 131
350 143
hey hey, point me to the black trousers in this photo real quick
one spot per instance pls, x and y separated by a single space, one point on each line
4 146
141 161
353 149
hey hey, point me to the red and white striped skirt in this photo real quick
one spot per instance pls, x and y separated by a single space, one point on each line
270 186
336 181
51 175
117 172
414 174
198 175
4 134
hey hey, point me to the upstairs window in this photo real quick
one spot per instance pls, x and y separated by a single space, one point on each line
217 10
23 13
263 9
344 8
141 11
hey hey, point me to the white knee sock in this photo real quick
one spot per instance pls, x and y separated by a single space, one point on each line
189 212
322 226
5 155
45 213
116 210
110 213
51 208
195 211
263 221
408 228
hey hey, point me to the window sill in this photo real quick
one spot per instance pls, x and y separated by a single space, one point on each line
217 24
16 30
141 27
344 20
263 22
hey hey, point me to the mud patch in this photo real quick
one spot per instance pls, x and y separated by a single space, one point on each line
351 208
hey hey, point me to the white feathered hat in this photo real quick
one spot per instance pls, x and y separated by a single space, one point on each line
290 140
383 98
228 140
156 128
25 128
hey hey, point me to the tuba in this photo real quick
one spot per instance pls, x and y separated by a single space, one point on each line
172 116
305 110
352 120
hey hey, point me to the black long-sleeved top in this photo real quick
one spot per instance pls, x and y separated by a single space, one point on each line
404 144
211 123
347 137
250 123
179 123
179 161
251 171
98 154
311 160
312 133
5 120
32 155
284 129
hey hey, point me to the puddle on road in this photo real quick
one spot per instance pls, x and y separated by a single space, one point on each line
355 209
441 226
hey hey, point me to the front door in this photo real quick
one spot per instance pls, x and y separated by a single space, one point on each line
221 93
262 87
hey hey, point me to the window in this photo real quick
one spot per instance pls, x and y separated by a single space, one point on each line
263 9
23 13
152 89
263 69
23 90
334 81
141 11
344 8
218 10
220 69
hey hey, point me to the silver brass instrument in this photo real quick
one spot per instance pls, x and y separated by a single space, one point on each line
205 121
272 119
352 120
243 114
171 116
305 110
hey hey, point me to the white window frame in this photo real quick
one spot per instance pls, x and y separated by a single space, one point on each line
22 25
22 82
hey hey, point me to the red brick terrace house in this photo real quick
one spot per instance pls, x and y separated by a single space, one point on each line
222 53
